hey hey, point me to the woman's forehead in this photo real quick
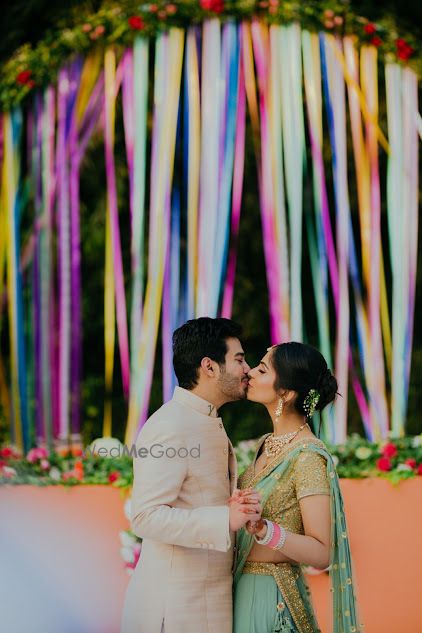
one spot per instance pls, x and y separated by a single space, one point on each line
267 356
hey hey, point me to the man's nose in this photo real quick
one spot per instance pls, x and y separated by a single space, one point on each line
247 369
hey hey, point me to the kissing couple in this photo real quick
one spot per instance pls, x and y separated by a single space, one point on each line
222 553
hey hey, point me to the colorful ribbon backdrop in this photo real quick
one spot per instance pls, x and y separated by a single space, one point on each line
293 85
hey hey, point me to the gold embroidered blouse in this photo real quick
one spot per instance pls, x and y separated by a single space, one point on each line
306 476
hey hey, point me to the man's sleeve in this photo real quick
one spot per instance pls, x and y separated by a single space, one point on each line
158 478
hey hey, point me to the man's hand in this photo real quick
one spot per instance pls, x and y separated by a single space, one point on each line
244 506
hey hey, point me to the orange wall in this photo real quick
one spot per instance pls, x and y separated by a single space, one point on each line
61 569
385 529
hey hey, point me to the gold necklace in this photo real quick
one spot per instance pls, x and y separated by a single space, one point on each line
274 443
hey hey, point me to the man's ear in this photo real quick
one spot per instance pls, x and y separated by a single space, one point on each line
208 366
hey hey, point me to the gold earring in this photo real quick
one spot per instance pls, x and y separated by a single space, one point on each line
279 409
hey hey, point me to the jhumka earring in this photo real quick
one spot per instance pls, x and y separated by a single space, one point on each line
279 409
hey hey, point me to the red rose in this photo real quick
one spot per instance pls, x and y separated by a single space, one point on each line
217 6
23 77
384 464
77 452
419 469
404 50
370 28
389 450
376 41
113 476
136 23
405 53
6 452
410 462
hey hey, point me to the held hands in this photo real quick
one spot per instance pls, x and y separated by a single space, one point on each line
259 528
244 506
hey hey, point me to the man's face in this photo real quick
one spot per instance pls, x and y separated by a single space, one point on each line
233 377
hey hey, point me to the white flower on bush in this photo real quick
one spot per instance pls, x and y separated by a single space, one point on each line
363 452
128 554
55 474
109 447
335 460
127 538
417 441
128 509
402 467
246 445
8 471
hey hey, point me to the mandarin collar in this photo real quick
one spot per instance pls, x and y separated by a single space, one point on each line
189 399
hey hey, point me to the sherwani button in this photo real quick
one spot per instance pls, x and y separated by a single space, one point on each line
220 425
225 451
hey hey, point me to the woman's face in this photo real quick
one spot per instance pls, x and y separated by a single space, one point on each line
261 382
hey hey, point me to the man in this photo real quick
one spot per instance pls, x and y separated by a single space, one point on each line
182 483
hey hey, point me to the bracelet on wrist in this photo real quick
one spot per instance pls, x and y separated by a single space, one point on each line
268 536
281 540
275 537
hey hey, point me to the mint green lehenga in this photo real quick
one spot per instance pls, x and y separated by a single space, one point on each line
270 598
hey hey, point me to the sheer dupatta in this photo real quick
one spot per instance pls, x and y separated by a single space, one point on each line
345 617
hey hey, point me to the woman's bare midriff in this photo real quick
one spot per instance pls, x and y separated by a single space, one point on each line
262 553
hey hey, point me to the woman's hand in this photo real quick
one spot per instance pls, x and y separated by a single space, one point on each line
259 528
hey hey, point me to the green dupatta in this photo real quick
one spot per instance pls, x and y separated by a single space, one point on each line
345 618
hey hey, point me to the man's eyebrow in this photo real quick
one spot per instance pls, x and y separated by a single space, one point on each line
262 363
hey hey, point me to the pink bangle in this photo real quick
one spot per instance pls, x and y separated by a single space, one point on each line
276 536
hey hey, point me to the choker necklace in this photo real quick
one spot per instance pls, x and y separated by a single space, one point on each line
274 443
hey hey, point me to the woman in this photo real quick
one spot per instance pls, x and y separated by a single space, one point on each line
303 519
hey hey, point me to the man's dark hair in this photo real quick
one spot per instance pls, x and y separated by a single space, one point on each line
197 339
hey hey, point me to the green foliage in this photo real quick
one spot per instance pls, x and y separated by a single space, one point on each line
80 31
357 459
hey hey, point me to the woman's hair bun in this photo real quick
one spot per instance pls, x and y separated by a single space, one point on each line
327 388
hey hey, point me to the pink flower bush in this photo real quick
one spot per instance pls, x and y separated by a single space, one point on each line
36 454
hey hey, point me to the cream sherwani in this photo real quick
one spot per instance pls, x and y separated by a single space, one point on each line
183 476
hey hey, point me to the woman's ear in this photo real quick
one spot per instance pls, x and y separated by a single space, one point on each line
289 396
